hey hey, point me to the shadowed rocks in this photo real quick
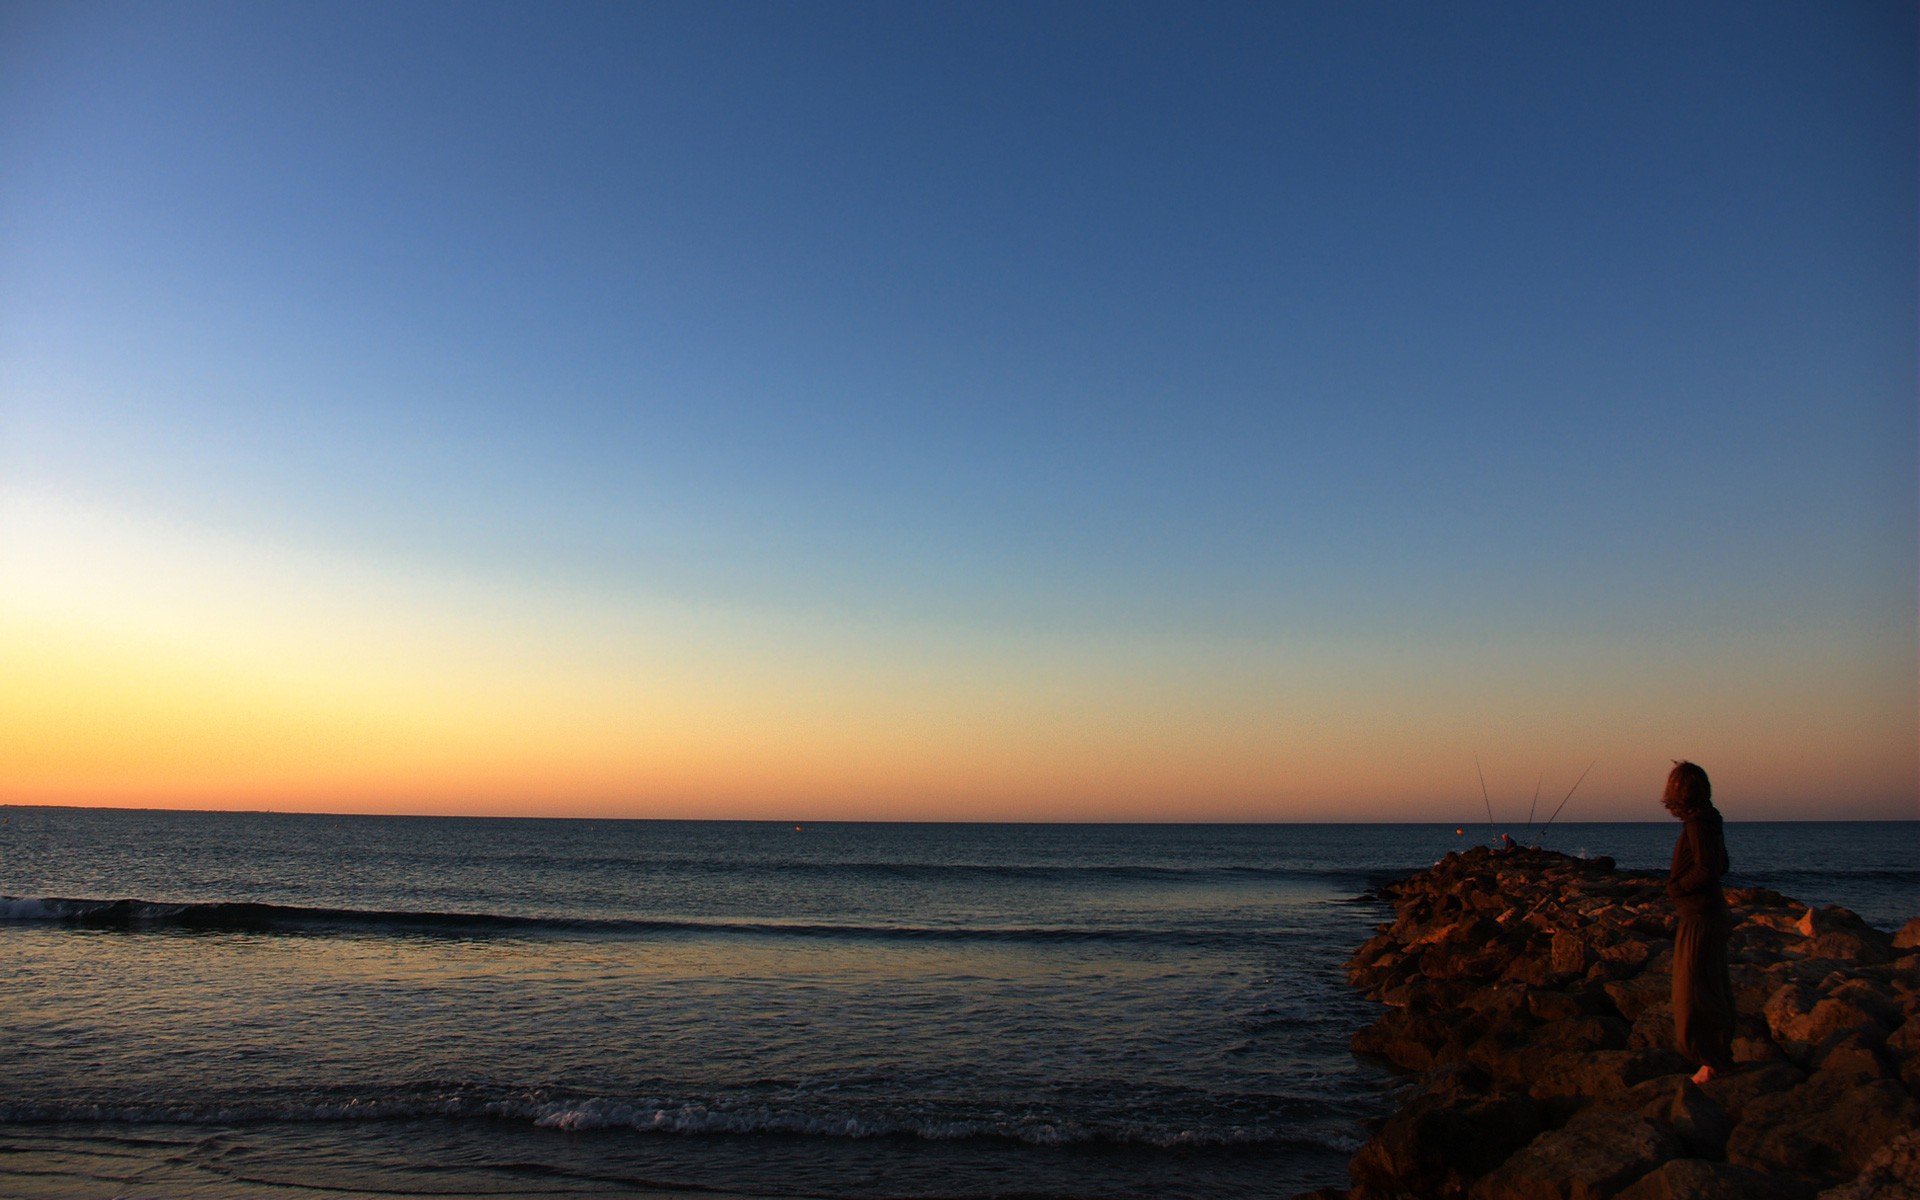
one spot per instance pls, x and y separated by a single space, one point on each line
1527 995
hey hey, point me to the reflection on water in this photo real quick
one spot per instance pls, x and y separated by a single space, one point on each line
852 1011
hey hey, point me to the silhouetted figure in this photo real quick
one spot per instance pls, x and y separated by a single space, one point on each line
1702 988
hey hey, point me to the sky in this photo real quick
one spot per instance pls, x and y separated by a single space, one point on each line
959 411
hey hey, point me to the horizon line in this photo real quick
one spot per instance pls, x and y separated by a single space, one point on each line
800 821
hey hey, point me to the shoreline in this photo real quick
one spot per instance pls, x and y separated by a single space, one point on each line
1527 1006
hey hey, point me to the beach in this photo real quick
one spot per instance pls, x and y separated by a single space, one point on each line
850 601
246 1004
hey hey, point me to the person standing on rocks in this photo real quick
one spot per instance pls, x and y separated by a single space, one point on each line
1702 988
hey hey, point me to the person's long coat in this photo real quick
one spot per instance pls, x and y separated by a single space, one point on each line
1703 1013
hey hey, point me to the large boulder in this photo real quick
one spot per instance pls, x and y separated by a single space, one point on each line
1629 954
1893 1173
1571 953
1677 1103
1825 1129
1635 996
1405 1039
1442 1141
1653 1028
1526 1056
1903 1053
1837 933
1697 1179
1571 1080
1545 1004
1804 1016
1735 1090
1863 946
1855 1054
1753 1041
1593 1157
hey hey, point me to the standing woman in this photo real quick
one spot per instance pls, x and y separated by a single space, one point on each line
1702 990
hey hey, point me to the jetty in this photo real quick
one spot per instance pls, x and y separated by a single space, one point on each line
1526 1001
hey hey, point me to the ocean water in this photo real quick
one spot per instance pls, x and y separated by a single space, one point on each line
219 1005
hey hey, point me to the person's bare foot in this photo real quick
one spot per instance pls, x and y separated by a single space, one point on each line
1703 1075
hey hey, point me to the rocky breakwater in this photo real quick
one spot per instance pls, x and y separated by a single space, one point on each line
1527 996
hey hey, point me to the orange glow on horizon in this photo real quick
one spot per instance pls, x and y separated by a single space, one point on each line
144 665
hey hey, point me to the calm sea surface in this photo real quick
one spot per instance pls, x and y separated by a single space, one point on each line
222 1004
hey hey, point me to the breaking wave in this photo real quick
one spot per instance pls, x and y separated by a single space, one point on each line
694 1118
138 916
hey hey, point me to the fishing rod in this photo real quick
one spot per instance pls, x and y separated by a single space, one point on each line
1483 793
1535 804
1570 792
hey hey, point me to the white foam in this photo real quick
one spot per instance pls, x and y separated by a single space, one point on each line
658 1116
12 909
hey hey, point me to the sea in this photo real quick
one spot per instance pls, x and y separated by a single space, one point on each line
252 1004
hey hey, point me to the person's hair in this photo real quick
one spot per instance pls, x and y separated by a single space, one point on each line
1687 791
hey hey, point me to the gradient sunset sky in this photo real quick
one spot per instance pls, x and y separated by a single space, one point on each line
927 411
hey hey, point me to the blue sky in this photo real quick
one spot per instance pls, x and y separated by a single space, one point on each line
1493 336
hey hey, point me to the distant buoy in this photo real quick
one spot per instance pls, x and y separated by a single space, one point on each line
796 829
1459 833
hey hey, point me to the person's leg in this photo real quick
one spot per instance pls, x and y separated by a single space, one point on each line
1689 964
1715 1037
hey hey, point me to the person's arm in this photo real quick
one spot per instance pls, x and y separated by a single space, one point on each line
1697 866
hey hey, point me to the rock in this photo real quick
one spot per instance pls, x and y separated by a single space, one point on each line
1801 1018
1737 1089
1635 996
1631 954
1677 1103
1853 1055
1694 1179
1592 1158
1532 970
1751 1044
1774 919
1826 1129
1903 986
1503 1001
1531 1055
1840 934
1893 1173
1575 1078
1440 1142
1653 1028
1485 962
1903 1052
1405 1039
1753 986
1758 897
1852 945
1824 920
1787 1011
1530 990
1554 1006
1570 954
1875 998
